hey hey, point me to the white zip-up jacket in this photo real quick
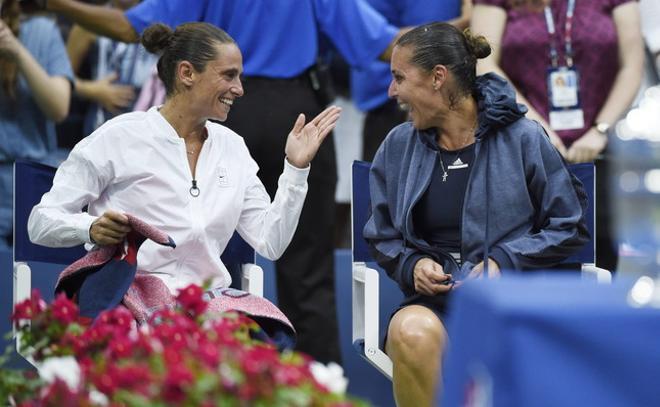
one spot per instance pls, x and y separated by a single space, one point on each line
136 163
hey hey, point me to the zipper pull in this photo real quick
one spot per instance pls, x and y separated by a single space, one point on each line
194 191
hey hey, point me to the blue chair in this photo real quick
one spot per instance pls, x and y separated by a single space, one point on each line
32 180
371 293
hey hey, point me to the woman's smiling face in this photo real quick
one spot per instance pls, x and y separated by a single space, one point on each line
413 88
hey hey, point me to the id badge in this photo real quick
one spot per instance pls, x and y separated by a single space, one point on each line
563 88
567 119
565 111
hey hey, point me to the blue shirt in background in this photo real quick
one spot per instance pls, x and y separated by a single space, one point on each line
25 132
369 83
279 38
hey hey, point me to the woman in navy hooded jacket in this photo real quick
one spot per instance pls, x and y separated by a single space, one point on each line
468 179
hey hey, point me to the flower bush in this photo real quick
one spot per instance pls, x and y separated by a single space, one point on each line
183 356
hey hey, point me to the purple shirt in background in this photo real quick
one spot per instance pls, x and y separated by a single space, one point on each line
525 53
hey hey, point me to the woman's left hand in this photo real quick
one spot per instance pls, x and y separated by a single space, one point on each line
586 148
478 270
305 139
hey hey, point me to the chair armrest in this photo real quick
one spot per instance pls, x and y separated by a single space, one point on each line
365 316
601 275
22 286
252 279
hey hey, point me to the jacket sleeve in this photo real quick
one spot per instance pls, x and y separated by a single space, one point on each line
58 220
269 226
386 243
560 227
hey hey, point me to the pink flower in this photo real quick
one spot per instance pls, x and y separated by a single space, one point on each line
191 300
64 310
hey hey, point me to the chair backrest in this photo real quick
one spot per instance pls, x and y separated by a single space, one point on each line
585 172
32 180
360 210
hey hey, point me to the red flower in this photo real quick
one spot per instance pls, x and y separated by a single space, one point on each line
132 377
120 319
120 347
209 354
105 382
258 359
64 310
59 394
29 308
290 375
177 379
191 300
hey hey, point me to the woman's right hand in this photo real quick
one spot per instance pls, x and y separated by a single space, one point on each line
429 277
9 44
111 228
112 96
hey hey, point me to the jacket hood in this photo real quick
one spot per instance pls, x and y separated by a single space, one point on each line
496 100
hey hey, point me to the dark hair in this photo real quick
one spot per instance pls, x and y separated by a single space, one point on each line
192 42
443 44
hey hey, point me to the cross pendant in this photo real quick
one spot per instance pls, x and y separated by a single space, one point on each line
444 176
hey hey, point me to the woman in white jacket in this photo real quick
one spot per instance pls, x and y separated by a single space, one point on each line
177 170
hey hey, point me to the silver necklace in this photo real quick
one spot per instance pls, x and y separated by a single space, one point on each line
457 163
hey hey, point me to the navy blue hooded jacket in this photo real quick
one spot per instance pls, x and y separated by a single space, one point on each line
522 207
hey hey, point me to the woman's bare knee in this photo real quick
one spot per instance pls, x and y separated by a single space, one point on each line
415 328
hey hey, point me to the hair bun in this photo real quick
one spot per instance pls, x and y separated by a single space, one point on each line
477 45
156 38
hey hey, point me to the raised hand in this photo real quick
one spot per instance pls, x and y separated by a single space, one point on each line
9 44
110 228
304 140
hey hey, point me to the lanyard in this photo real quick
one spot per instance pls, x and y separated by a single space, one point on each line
568 33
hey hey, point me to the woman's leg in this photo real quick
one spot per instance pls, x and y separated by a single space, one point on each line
415 341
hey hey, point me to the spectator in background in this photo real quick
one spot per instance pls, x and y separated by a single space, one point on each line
596 47
279 41
118 71
650 12
35 91
369 84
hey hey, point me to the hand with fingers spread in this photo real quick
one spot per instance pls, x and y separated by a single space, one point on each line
478 270
304 140
111 228
429 277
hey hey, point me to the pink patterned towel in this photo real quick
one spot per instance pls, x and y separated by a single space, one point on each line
100 279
